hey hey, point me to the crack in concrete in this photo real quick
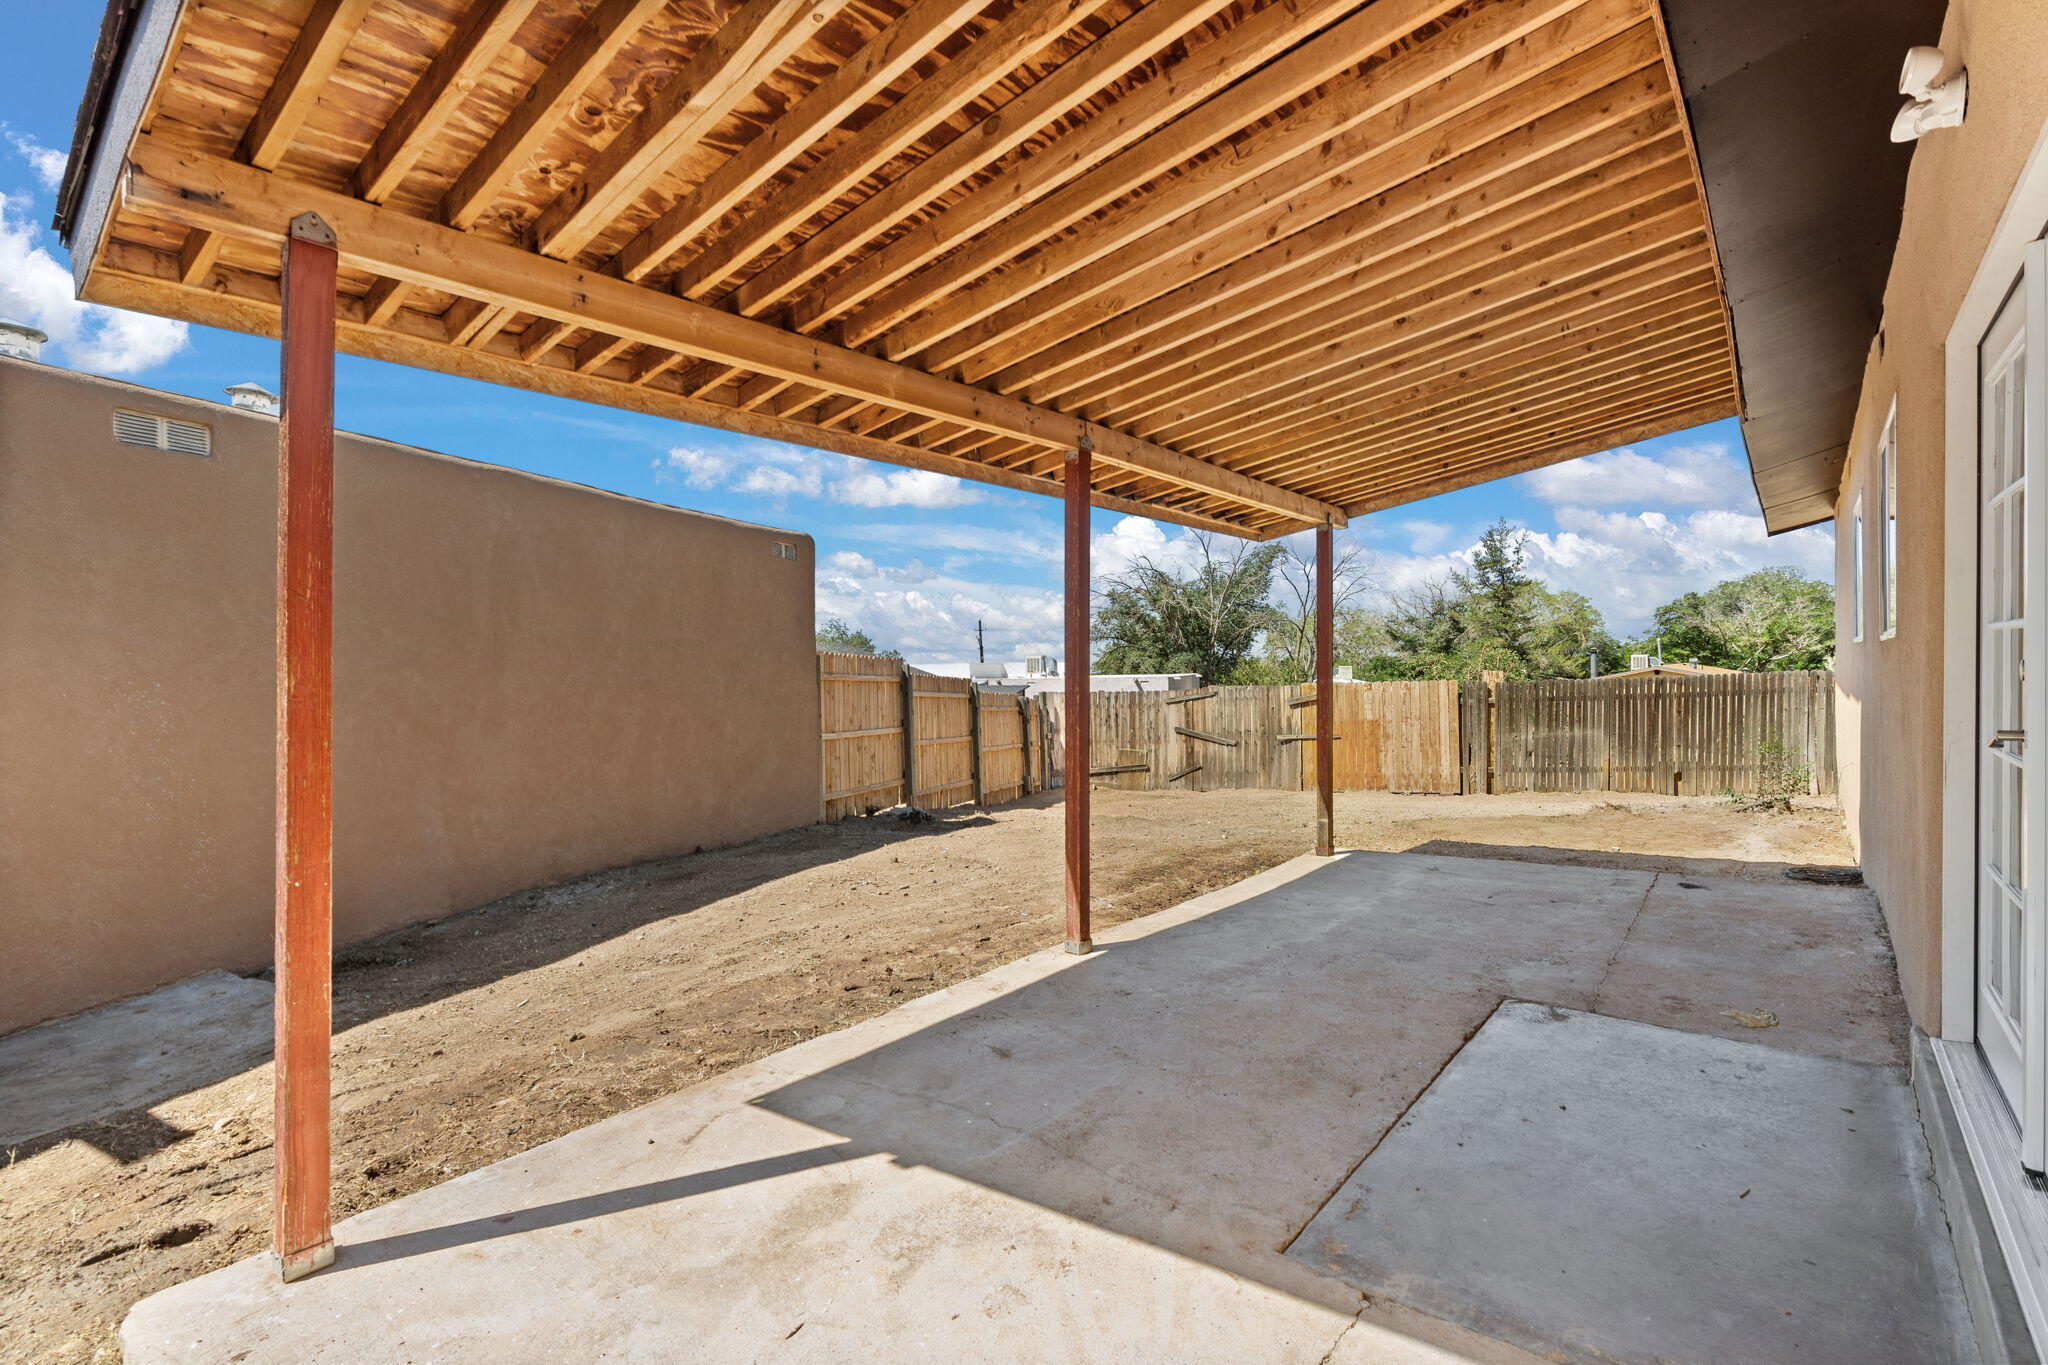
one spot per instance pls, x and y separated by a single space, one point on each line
1364 1301
1593 1006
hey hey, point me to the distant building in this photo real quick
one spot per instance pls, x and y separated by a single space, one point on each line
1645 666
1038 675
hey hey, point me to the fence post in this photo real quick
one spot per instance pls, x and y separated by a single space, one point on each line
974 739
909 736
1024 784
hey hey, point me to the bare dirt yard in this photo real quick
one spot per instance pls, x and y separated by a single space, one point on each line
466 1040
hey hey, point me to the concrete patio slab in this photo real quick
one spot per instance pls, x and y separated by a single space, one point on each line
131 1054
1614 1190
1063 1159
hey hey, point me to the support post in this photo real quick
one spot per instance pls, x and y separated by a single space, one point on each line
1075 740
974 741
1326 692
303 1232
909 736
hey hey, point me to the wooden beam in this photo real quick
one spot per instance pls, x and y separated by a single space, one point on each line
1477 429
308 65
299 82
989 140
1354 119
1075 718
1482 160
199 254
303 1234
383 301
143 279
760 36
891 53
1460 356
195 189
589 50
1295 356
1404 398
923 107
1363 243
1262 37
482 33
1339 364
1639 429
1407 264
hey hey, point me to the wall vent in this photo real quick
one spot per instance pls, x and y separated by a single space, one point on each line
784 550
162 433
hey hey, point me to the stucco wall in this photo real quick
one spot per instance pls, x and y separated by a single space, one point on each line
532 680
1891 690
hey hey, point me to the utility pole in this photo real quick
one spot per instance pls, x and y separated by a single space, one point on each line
980 644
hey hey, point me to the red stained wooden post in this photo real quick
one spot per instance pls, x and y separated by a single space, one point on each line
1077 700
1326 692
304 1235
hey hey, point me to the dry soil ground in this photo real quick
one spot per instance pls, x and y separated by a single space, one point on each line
463 1041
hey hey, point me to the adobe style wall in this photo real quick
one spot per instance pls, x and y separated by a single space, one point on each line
532 680
1890 711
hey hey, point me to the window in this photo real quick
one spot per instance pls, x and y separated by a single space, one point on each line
162 433
1888 526
1856 570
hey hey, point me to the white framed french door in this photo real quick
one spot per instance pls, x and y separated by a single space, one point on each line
2011 995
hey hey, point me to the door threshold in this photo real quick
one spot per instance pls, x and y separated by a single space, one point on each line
2005 1274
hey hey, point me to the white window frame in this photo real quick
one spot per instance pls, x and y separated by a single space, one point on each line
1888 526
1856 569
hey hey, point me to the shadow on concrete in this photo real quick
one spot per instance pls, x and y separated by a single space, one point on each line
1203 1086
362 1254
1748 869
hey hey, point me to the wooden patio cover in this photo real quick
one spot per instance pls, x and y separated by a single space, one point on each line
1277 263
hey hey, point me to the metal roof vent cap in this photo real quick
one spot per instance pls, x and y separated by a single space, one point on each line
20 340
252 398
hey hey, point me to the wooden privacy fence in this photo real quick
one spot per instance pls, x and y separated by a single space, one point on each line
1695 736
963 743
1682 736
1391 736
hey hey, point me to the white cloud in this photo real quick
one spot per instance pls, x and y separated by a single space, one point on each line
697 468
1424 537
36 288
46 162
1684 476
1630 563
982 542
903 488
1135 539
930 615
781 481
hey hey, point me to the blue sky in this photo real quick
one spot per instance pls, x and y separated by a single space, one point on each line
913 558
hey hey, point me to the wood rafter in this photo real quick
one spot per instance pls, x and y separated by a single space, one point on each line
246 202
874 68
486 27
1270 261
1403 97
760 36
590 48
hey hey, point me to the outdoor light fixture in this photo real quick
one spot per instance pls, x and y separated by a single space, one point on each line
1929 106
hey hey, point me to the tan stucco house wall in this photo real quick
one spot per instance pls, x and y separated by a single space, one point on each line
532 680
1890 707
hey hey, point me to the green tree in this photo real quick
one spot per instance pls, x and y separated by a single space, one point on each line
1207 620
1491 616
836 635
1767 621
